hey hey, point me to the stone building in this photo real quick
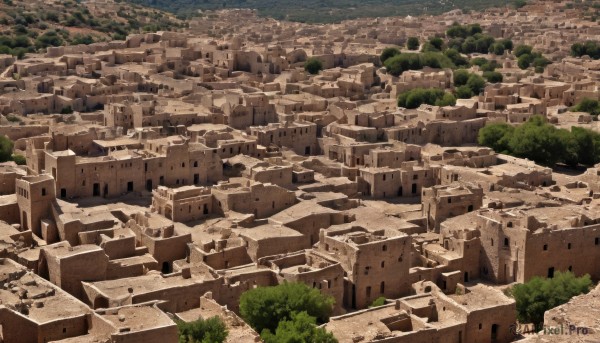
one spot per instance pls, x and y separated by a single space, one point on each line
367 259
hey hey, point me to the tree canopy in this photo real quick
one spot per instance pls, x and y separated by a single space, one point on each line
265 307
431 96
301 328
211 330
6 148
412 43
539 295
313 65
388 52
587 105
415 61
589 48
543 143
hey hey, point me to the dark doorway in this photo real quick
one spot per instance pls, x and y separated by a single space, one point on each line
100 302
353 296
205 211
414 188
96 190
105 191
196 179
149 185
494 332
470 208
130 186
166 268
63 193
24 221
161 181
307 150
466 278
550 272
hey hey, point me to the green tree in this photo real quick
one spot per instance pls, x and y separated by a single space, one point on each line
19 159
412 43
496 136
493 76
301 328
463 92
436 42
313 65
388 52
265 307
587 105
6 148
508 44
497 49
522 50
519 3
524 61
378 302
431 96
539 295
456 58
537 141
476 83
460 77
211 330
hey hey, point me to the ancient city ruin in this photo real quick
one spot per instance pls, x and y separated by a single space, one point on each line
189 167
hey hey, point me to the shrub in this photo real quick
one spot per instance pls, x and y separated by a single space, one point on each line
387 53
587 105
211 330
301 328
539 295
463 92
431 96
6 148
378 302
493 76
414 61
313 65
412 43
476 83
266 307
19 159
543 143
522 50
460 77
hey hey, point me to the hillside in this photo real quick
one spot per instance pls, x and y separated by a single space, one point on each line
32 25
324 11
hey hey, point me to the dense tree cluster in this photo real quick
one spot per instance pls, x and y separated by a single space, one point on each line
484 64
415 61
430 96
467 84
469 39
589 48
318 11
33 31
288 310
539 295
543 143
211 330
526 57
